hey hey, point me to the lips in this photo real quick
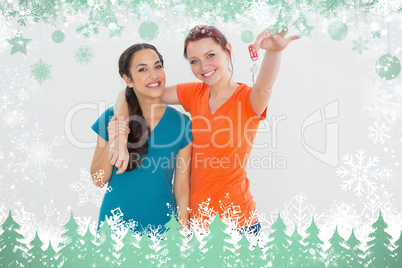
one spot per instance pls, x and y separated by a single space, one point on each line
209 74
154 84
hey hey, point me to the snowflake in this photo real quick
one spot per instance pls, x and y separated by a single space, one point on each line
376 202
383 100
12 118
40 71
361 173
298 212
379 132
38 154
360 45
87 190
83 54
23 95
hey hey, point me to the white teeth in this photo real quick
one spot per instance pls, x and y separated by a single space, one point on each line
209 74
153 85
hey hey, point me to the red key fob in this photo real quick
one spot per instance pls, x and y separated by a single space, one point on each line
253 55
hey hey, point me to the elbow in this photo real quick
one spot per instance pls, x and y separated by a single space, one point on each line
95 180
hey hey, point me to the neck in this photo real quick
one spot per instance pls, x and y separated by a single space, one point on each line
223 88
151 106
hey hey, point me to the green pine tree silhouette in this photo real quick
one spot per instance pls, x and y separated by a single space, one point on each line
244 252
259 259
354 256
398 252
336 252
129 250
12 252
36 254
50 258
193 254
279 245
219 252
380 247
145 255
106 247
314 252
88 250
173 243
71 245
296 250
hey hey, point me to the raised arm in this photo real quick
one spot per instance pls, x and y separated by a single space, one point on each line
262 89
182 184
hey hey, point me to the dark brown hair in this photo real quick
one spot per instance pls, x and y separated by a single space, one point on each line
137 143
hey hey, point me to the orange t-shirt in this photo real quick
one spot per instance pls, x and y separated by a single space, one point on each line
221 147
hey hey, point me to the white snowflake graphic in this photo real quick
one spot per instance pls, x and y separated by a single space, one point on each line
378 201
379 132
40 71
383 100
88 192
5 34
38 154
12 118
83 54
298 212
361 173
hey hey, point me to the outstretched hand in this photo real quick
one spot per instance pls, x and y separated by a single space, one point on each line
267 40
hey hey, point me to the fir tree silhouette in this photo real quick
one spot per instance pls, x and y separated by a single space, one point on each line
50 258
244 253
194 255
398 252
296 250
314 253
279 245
129 250
145 254
173 242
354 256
379 253
88 250
36 254
106 247
12 252
336 252
71 245
259 259
219 252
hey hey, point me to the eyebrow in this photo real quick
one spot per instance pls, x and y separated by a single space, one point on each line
143 64
204 54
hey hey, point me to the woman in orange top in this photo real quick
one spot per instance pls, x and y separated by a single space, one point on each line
225 117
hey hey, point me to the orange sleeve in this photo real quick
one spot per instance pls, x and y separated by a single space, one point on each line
186 94
245 98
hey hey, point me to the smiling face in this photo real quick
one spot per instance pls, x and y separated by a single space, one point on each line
147 74
208 61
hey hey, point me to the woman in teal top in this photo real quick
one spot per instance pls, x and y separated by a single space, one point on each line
159 144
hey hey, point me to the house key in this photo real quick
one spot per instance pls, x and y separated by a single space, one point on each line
254 67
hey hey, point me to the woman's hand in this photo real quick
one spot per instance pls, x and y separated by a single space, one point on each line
118 153
267 40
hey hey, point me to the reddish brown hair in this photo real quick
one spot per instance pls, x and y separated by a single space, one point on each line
205 31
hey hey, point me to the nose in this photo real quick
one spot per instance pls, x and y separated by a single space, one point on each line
204 65
153 74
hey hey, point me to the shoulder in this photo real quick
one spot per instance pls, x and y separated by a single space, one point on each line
191 86
177 116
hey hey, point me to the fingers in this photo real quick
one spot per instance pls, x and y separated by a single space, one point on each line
258 40
292 38
124 164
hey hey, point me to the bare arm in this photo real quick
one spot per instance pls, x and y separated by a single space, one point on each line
101 163
262 89
182 184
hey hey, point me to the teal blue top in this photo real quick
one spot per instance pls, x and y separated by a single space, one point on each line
144 197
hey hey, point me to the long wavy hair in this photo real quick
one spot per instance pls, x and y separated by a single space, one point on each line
137 143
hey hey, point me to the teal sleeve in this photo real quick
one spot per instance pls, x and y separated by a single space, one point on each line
187 136
100 126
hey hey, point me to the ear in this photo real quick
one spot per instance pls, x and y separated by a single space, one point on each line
128 80
228 47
